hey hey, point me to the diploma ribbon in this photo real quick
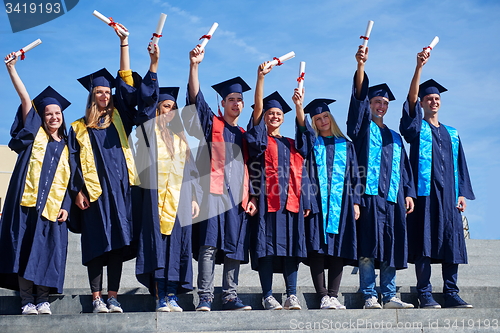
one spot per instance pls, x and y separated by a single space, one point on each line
112 23
364 37
156 35
22 54
206 36
278 60
428 47
301 77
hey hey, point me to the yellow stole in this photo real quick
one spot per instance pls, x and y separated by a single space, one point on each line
170 174
59 183
87 160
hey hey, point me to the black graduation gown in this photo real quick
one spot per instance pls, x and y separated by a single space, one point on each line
343 244
30 245
381 227
435 229
281 233
158 255
223 222
107 224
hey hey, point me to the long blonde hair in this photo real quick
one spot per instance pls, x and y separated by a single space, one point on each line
334 128
165 131
93 117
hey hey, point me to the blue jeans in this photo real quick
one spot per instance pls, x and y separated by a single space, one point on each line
367 279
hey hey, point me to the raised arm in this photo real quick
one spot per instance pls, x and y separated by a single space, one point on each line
196 56
422 58
124 50
18 85
361 58
259 93
154 58
298 100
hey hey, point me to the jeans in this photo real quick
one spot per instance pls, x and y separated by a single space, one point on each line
206 266
423 271
290 269
367 279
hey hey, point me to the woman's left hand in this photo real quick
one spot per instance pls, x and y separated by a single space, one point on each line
62 216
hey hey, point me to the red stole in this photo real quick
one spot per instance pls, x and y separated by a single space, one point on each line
273 189
218 160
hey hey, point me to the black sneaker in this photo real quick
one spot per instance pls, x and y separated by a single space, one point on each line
427 301
235 304
454 301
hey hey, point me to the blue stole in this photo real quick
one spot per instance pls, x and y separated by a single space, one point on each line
331 208
374 157
425 158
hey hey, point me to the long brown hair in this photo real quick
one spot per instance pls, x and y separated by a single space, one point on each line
166 130
93 117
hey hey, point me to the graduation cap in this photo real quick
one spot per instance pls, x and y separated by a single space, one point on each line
100 78
234 85
168 93
47 97
430 87
381 90
318 106
276 101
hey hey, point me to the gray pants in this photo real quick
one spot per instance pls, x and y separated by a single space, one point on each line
26 292
206 267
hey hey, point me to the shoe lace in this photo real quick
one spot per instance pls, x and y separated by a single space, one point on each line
205 299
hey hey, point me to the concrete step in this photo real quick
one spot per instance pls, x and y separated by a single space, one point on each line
411 320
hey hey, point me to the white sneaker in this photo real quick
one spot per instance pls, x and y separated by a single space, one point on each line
99 306
326 303
29 309
270 303
161 305
336 304
396 303
172 304
372 303
113 305
43 308
292 303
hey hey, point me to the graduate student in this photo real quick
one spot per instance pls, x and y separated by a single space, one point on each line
278 234
388 189
221 236
335 185
33 230
168 195
435 230
103 172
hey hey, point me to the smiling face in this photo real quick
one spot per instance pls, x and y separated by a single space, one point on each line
431 104
323 123
53 117
379 106
102 96
233 105
167 110
273 118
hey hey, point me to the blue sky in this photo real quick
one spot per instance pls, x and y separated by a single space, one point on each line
324 34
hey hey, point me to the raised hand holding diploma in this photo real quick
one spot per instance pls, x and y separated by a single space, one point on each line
432 44
110 22
279 61
208 36
366 37
158 33
25 49
302 73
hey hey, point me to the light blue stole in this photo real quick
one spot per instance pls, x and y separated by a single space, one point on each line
374 157
331 208
425 158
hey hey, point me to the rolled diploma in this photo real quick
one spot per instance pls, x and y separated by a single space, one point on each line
432 44
25 49
210 33
283 58
302 69
159 29
108 21
367 33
